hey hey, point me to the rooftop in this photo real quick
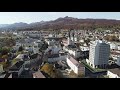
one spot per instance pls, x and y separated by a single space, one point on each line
53 56
115 53
71 46
20 56
75 62
115 71
38 74
17 66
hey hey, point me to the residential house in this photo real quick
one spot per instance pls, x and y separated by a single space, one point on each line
1 68
53 58
77 67
37 45
84 51
73 50
118 61
113 73
38 74
17 69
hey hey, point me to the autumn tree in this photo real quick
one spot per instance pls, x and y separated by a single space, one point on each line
5 56
49 69
111 38
4 50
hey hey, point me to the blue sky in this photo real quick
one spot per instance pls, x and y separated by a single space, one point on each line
29 17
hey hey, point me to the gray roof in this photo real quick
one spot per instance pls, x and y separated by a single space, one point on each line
53 56
17 66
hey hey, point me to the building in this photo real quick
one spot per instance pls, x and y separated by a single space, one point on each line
53 58
113 73
54 49
17 69
57 57
118 61
1 68
77 67
38 74
73 50
99 54
62 54
37 45
32 33
84 51
20 57
113 46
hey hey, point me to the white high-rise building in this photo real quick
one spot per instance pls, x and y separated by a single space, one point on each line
99 54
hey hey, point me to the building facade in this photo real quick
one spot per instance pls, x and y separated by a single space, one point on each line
75 65
99 54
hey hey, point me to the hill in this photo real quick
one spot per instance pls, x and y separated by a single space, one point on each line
68 23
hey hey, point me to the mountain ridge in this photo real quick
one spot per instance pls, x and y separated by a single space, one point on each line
66 23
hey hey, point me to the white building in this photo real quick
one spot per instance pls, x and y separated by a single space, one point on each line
99 54
20 57
113 73
32 33
54 49
17 69
50 42
118 61
36 46
75 65
1 68
118 47
84 48
73 51
113 46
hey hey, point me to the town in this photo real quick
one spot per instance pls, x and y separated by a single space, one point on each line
70 54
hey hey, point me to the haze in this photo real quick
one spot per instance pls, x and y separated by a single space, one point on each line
29 17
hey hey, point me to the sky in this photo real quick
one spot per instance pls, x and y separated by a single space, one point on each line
29 17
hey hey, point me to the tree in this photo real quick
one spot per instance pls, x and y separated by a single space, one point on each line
20 48
72 74
5 56
87 41
5 51
81 75
44 46
111 38
49 69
